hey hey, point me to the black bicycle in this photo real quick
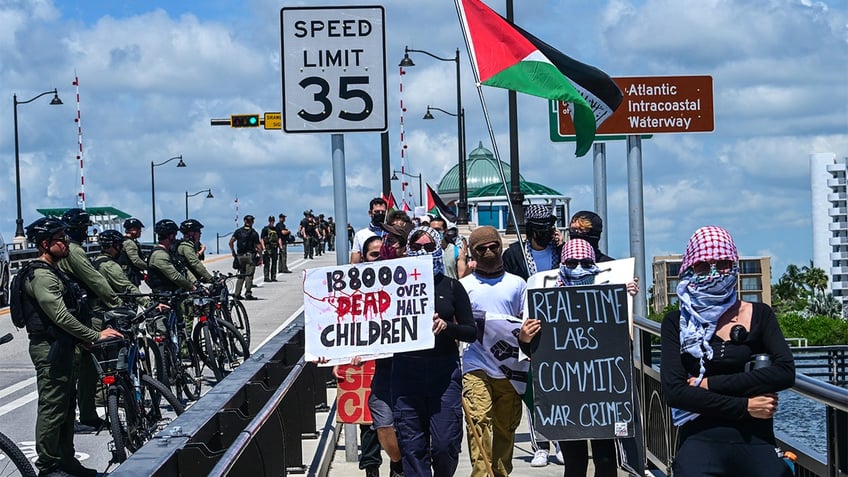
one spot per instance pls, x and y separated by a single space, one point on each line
13 461
231 308
221 346
181 361
133 397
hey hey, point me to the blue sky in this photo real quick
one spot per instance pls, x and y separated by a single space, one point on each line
153 73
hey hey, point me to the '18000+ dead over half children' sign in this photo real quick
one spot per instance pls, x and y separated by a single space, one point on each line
582 382
368 309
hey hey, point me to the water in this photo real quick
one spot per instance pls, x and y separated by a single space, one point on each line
802 420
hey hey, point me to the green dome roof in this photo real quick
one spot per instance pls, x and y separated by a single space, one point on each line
528 188
481 171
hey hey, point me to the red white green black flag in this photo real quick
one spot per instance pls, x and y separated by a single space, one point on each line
506 56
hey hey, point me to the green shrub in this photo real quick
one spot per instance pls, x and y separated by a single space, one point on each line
819 330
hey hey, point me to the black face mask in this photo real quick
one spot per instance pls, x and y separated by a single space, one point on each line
378 218
543 237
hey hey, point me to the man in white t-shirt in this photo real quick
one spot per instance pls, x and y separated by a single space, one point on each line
493 380
377 211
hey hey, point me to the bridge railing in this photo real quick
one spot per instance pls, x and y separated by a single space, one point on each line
661 434
251 423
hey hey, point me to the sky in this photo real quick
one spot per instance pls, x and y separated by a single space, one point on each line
152 74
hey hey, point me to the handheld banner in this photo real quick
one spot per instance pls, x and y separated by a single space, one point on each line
353 392
369 310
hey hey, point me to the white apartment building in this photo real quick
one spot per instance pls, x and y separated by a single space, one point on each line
830 219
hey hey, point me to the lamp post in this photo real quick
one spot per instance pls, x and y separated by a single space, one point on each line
420 193
463 189
462 203
153 186
19 221
208 196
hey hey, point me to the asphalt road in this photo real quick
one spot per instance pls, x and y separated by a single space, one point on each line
277 303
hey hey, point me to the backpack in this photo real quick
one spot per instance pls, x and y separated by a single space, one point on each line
17 294
271 237
244 242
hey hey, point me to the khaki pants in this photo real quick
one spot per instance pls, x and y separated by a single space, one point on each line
495 409
246 267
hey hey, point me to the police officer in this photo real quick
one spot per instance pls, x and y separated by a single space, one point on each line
187 251
111 244
246 247
164 271
285 237
271 244
50 303
100 299
131 259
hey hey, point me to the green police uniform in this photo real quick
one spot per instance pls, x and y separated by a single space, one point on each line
131 260
117 279
196 270
100 298
54 425
271 244
163 274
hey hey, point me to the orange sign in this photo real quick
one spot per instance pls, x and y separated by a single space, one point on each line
655 104
353 392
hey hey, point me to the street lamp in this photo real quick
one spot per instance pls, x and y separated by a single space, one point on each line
463 188
462 203
19 227
153 186
208 196
420 193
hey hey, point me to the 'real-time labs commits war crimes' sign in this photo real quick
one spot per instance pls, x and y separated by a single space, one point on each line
582 383
368 309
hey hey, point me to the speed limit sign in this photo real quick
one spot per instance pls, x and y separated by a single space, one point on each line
334 69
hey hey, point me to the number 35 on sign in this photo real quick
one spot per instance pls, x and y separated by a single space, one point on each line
334 69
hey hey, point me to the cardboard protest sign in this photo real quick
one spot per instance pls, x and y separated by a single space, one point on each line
582 368
353 393
368 309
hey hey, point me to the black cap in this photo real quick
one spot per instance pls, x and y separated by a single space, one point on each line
248 217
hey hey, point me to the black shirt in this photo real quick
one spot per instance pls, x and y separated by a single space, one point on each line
246 240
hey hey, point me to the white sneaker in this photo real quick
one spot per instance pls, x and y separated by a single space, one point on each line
540 458
558 455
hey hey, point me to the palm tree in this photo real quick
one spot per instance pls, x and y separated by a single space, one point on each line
790 287
814 278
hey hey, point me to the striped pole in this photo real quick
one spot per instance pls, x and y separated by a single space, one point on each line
81 194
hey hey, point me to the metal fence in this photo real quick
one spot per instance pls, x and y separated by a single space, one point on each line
661 434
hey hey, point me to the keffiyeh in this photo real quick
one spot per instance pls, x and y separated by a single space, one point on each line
438 262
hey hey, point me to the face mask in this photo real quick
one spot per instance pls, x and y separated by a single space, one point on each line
544 237
387 252
578 275
378 218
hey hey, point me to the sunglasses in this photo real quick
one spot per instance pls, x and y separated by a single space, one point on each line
64 239
705 268
585 263
429 246
481 249
373 254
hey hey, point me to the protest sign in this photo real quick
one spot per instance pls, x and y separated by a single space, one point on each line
368 309
582 368
353 392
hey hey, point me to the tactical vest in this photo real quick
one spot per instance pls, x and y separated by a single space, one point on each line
157 280
133 274
37 321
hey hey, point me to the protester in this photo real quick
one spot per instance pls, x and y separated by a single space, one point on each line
377 212
578 267
724 411
394 240
453 249
494 380
541 251
426 387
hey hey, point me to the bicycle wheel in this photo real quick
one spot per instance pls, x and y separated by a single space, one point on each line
154 392
234 345
183 375
14 458
237 315
117 423
207 348
150 358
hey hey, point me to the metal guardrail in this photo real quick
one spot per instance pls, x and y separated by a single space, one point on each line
661 434
251 423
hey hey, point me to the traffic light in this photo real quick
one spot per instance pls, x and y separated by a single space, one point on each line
244 120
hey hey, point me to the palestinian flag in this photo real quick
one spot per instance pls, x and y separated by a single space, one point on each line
391 204
436 207
506 56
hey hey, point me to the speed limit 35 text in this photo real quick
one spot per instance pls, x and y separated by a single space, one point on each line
332 29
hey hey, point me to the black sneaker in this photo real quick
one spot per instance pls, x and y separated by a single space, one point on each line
372 472
250 297
54 473
80 428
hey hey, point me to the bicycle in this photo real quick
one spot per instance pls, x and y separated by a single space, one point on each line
133 398
181 362
234 311
11 452
218 342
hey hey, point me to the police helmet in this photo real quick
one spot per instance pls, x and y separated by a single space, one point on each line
165 227
133 223
44 228
76 218
190 225
110 238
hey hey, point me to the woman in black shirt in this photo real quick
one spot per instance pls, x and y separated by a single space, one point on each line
724 408
427 384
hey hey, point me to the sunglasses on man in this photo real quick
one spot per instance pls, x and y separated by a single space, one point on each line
430 247
585 263
707 267
481 249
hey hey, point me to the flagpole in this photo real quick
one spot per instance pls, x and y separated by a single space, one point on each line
474 70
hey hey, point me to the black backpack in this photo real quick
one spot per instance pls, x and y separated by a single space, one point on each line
17 293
